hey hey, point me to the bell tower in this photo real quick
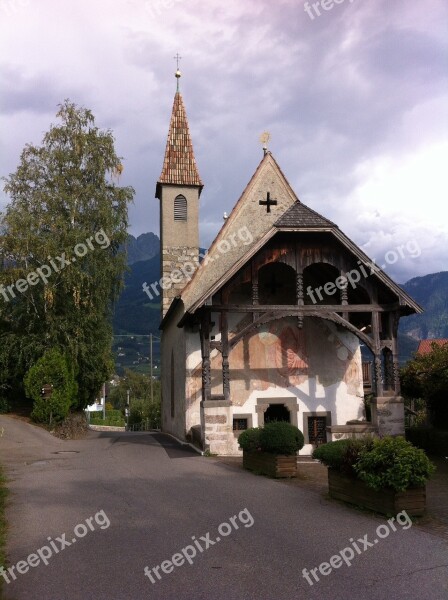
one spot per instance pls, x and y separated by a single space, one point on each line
178 189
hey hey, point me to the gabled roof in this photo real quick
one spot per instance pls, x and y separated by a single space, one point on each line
247 216
301 216
179 165
425 346
288 214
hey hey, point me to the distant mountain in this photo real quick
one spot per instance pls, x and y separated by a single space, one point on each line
136 314
431 292
145 247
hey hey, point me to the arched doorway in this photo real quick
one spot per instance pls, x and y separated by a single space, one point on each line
277 412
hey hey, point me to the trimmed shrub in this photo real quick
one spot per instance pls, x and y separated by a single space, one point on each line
249 439
280 437
52 368
392 462
332 454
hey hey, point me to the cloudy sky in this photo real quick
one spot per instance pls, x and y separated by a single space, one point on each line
355 98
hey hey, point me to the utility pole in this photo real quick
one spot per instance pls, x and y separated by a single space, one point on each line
150 367
104 401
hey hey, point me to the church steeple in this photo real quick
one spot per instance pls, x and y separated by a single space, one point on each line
179 165
178 189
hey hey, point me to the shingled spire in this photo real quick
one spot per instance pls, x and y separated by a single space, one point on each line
178 190
179 165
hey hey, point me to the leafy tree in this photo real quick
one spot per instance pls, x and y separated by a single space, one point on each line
142 407
65 223
426 377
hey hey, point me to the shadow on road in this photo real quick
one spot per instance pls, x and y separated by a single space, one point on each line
172 447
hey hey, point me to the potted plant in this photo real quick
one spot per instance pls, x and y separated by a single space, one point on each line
386 475
272 449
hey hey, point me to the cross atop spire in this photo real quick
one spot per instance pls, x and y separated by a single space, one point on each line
177 74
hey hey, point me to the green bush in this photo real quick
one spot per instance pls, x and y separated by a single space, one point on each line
433 441
249 439
280 437
392 462
4 405
332 454
52 368
114 418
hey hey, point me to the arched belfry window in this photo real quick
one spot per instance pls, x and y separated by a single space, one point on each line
180 208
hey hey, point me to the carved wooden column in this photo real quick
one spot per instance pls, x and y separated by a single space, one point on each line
255 290
378 367
225 356
205 347
299 296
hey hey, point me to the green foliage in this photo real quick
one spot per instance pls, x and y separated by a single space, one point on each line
145 411
433 441
63 194
280 437
277 437
114 418
342 455
249 439
53 369
4 404
426 376
392 462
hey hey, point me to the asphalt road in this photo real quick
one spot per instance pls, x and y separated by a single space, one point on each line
148 499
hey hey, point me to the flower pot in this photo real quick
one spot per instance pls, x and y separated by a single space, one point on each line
386 501
272 465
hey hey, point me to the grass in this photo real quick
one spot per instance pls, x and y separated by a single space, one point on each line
3 495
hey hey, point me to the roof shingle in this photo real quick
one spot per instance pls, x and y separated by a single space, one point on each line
299 215
179 165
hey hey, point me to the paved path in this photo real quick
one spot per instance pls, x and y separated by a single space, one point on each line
157 496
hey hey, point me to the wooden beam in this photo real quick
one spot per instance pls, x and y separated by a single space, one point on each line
261 308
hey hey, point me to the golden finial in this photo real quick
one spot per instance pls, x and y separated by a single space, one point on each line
177 74
265 138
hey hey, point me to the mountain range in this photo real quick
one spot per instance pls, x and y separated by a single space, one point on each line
136 315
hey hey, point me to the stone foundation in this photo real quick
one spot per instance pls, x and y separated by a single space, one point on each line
388 415
218 435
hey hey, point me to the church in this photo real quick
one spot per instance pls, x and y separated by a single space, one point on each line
269 324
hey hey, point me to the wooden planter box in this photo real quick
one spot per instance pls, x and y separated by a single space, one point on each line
386 501
272 465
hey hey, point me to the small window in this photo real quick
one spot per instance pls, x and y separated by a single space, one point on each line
239 424
180 208
317 432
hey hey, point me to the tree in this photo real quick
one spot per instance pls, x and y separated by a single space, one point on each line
142 406
61 268
426 377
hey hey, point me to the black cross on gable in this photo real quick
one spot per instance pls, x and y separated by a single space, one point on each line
268 202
